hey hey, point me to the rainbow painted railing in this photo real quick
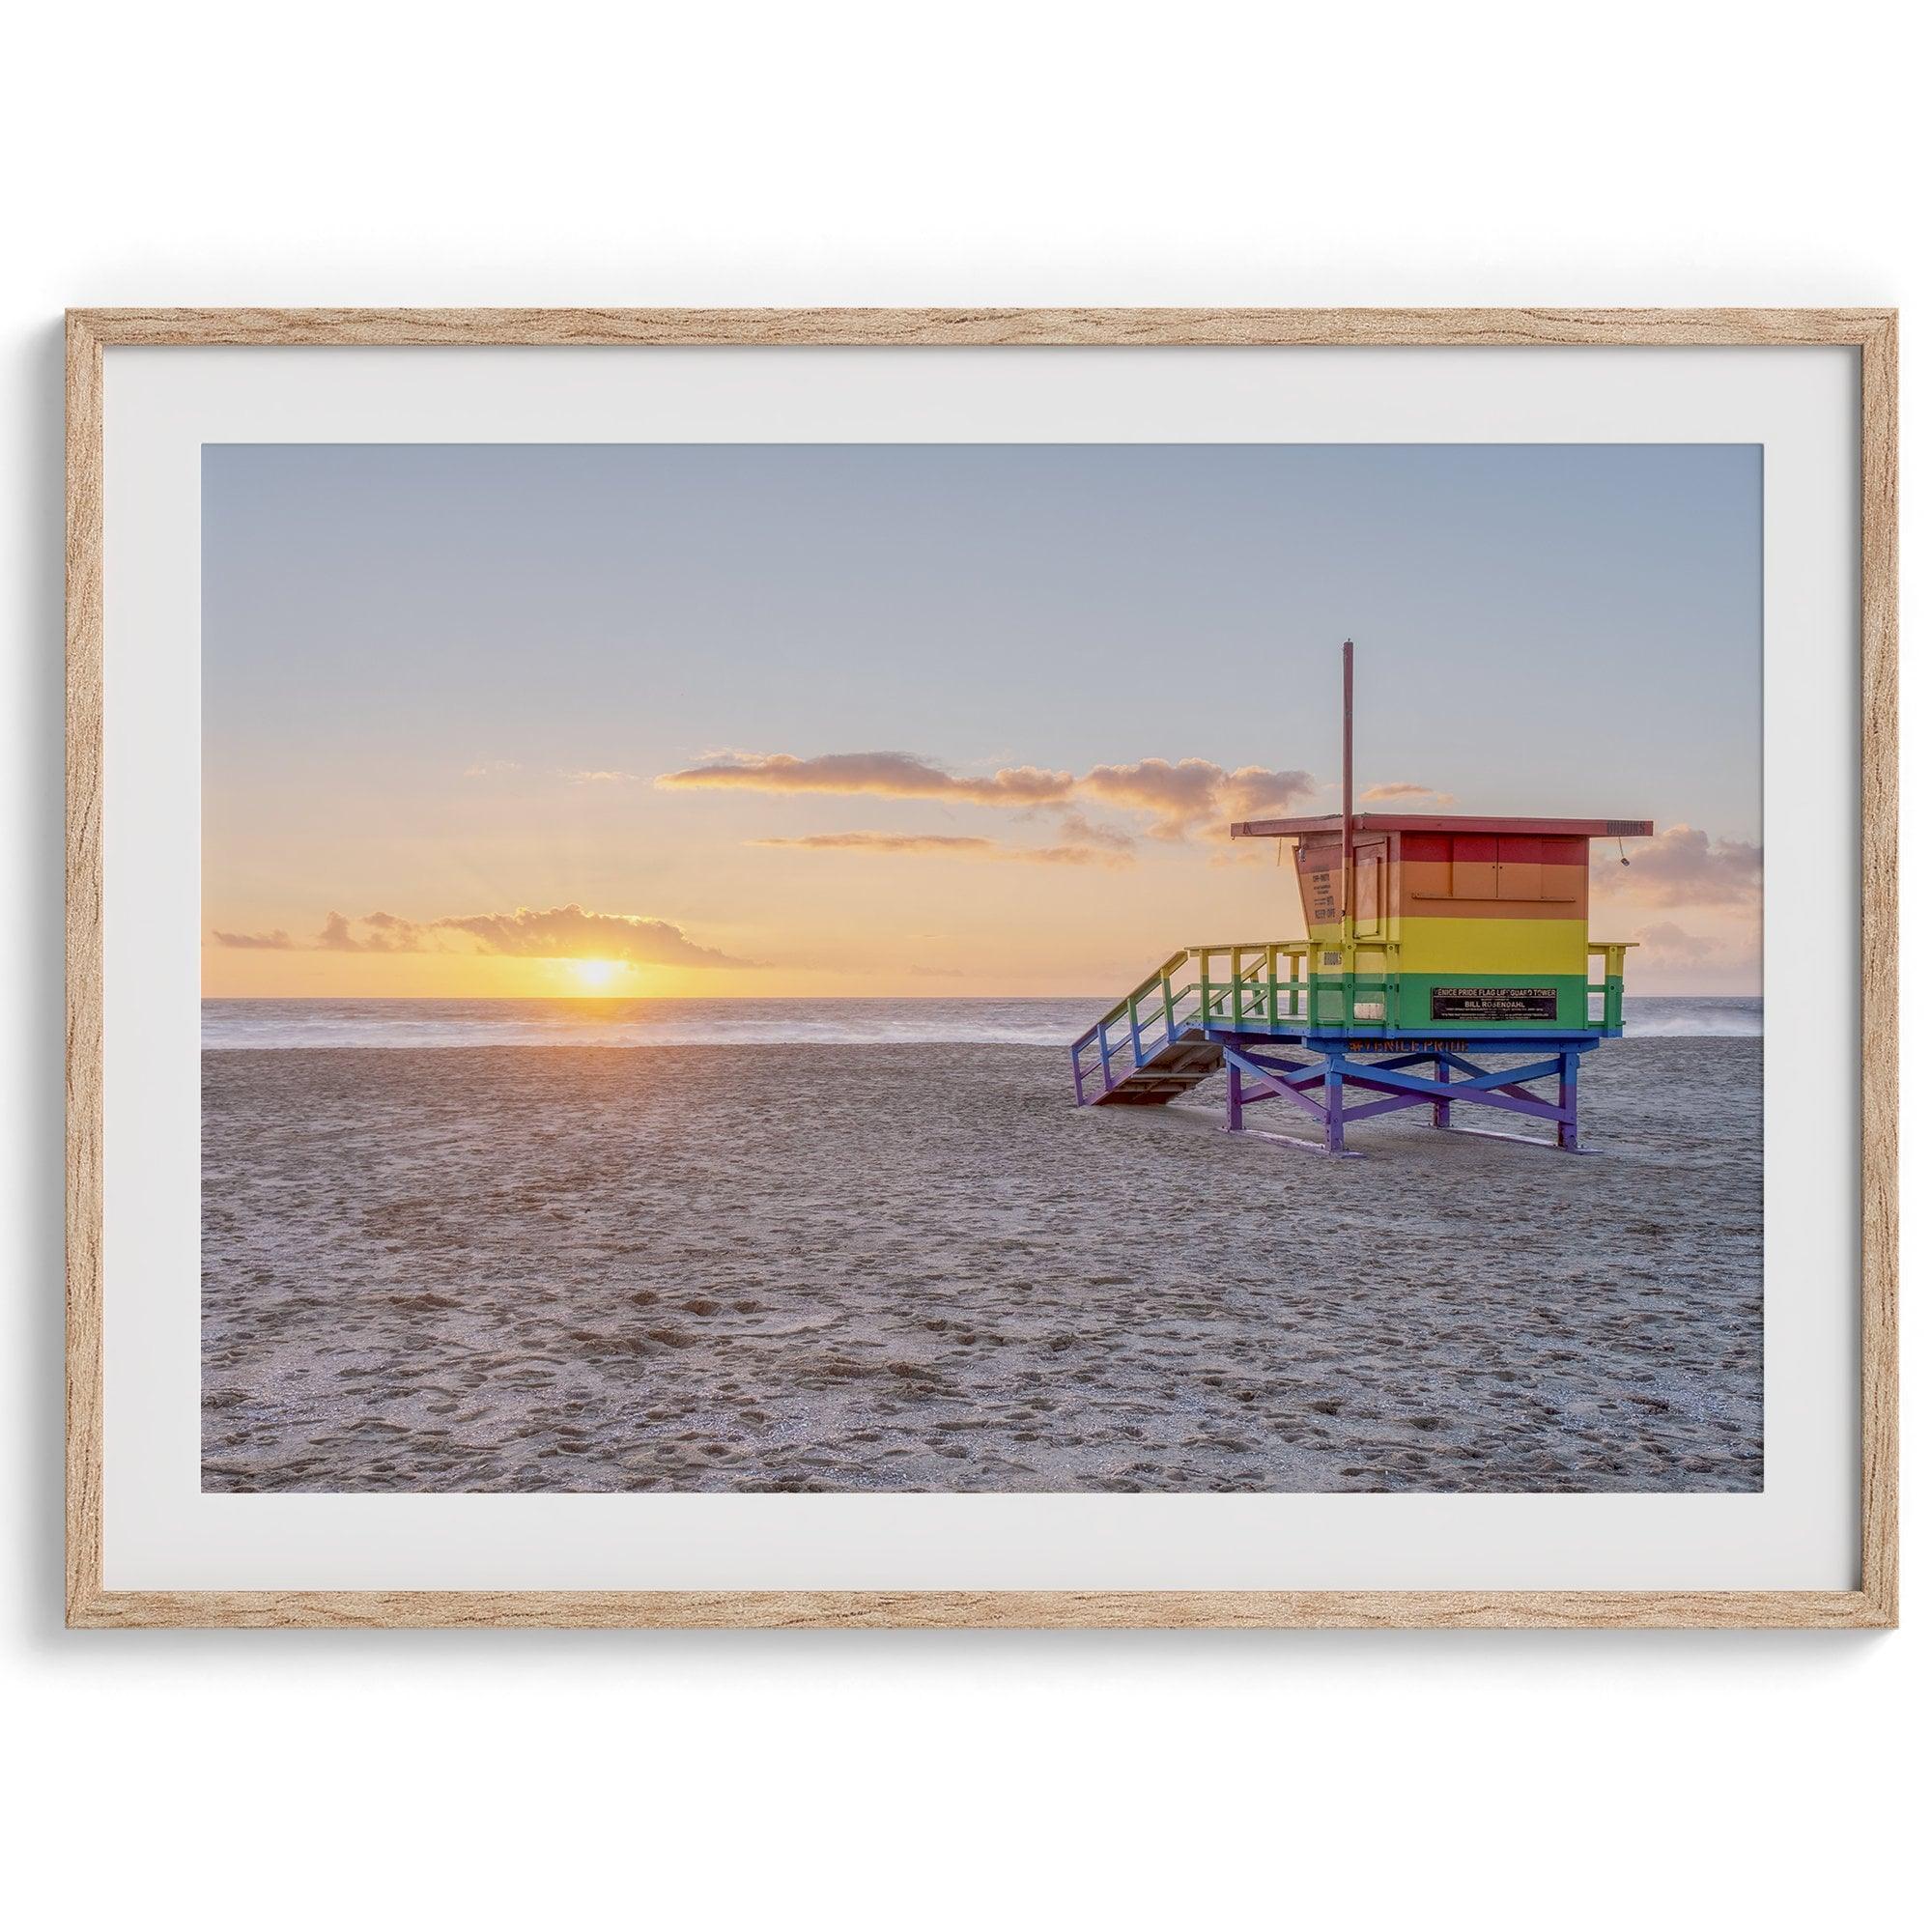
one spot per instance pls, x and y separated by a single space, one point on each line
1262 986
1605 989
1191 992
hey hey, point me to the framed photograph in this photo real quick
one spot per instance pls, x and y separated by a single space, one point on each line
1009 968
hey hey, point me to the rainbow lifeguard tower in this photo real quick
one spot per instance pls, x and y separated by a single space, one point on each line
1431 940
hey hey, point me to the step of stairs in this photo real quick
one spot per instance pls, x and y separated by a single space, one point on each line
1170 1072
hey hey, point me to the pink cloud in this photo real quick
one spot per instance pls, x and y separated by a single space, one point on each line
1187 796
382 932
277 941
888 841
1077 829
1180 797
1380 794
1252 791
1681 867
1669 945
558 932
569 932
1195 793
946 845
876 774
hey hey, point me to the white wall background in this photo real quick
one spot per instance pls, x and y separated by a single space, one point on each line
1024 153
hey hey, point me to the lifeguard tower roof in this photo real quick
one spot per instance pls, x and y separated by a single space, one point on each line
1475 826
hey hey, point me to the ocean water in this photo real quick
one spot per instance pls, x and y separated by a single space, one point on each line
420 1023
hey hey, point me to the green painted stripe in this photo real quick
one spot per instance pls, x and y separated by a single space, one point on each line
1413 1003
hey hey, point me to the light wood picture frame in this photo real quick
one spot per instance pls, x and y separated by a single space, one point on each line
1872 333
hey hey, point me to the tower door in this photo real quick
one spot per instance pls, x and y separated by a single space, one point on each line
1369 898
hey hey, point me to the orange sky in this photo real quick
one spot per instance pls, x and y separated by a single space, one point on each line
946 903
745 721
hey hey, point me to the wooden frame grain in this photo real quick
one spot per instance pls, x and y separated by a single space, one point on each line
1872 332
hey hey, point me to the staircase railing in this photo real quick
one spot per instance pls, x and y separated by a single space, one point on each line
1257 991
1266 981
1201 986
1138 1025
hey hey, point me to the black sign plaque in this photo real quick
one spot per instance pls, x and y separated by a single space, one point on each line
1492 1002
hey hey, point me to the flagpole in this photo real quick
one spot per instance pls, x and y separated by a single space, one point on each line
1348 790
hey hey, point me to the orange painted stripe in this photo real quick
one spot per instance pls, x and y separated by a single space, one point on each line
1524 892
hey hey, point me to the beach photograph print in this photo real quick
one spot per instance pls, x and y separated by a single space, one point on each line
982 968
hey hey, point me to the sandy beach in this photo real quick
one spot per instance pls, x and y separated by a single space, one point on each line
921 1268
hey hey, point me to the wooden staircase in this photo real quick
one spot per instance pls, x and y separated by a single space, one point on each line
1164 1075
1161 1039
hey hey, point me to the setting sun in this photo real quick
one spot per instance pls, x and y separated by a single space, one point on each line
594 974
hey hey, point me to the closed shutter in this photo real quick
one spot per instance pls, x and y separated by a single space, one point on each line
1520 868
1472 867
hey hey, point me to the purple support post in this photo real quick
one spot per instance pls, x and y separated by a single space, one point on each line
1566 1097
1440 1108
1234 1099
1332 1092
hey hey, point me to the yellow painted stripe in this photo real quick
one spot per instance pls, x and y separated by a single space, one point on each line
1470 945
1494 944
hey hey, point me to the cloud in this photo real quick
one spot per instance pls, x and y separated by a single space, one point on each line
1682 865
1181 797
492 768
336 937
1194 793
397 935
1077 829
569 932
599 778
1669 945
1724 955
946 845
887 841
382 932
277 941
562 932
1378 794
875 774
1252 791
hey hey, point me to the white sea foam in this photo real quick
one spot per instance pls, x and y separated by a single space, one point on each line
1721 1017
